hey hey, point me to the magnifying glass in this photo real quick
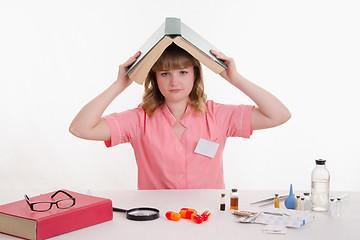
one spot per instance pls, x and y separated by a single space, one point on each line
139 214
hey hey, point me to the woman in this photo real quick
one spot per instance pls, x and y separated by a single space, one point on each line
178 137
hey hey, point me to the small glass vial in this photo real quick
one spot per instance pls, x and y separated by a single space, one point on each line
222 202
338 207
320 184
297 203
307 203
277 200
302 205
234 200
332 207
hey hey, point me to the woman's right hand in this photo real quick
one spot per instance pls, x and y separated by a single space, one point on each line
126 81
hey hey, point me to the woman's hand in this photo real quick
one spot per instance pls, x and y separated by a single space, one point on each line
126 81
230 74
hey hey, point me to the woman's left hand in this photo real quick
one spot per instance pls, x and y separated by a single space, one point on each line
231 72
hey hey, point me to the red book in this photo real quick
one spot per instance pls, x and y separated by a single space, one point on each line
18 220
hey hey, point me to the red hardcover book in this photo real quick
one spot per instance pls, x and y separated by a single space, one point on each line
18 220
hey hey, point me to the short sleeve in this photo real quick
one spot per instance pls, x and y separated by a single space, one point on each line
123 126
234 120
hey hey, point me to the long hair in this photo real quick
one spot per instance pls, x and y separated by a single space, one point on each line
173 57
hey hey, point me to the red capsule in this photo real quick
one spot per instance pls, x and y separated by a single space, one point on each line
196 218
174 216
186 212
205 215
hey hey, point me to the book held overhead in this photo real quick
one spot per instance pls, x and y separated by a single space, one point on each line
173 31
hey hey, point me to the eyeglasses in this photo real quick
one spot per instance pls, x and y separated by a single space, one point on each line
46 206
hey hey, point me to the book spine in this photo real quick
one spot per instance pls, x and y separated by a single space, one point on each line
74 220
172 26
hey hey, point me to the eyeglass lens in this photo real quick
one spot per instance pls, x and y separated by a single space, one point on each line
44 206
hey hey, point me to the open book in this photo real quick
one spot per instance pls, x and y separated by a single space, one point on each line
173 31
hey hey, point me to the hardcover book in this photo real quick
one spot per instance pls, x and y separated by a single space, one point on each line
18 220
173 31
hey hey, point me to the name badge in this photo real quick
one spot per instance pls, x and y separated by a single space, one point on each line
206 148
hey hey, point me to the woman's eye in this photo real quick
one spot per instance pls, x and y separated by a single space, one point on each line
165 74
183 72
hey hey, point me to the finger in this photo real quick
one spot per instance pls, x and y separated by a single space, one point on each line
131 60
219 55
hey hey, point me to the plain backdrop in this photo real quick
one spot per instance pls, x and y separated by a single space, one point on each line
55 56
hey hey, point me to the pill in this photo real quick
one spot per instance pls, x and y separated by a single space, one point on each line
196 218
186 212
174 216
205 215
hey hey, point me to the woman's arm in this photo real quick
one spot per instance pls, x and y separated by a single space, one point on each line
270 112
88 123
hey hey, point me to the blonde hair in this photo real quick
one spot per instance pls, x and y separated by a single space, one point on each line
173 57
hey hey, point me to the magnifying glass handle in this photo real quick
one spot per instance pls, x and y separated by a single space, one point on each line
118 209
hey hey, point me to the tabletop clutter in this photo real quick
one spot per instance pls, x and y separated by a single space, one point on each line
296 211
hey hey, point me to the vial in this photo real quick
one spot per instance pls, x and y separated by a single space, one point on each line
338 207
222 202
302 205
234 200
332 208
307 203
297 203
277 200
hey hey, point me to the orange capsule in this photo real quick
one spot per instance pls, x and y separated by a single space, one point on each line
196 218
186 212
205 215
174 216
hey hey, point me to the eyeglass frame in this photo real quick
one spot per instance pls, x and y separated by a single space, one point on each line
31 204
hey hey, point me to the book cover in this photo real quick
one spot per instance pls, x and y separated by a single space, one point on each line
173 31
18 220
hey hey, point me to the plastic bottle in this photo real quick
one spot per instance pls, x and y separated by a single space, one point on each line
320 186
234 200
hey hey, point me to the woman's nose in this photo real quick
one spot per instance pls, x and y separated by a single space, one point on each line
173 80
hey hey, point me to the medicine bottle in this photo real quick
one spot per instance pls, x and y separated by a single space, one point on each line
234 200
298 203
277 200
320 185
338 207
222 202
307 202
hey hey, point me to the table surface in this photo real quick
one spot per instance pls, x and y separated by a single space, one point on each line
221 224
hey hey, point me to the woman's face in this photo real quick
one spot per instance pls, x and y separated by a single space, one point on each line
176 84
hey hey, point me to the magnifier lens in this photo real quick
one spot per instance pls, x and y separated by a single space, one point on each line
142 213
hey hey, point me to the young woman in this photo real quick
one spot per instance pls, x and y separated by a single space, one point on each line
177 135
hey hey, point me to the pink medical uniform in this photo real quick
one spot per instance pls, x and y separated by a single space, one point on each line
164 161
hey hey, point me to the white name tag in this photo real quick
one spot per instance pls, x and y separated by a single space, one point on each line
207 148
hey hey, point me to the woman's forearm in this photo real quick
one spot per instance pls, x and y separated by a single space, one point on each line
90 116
273 110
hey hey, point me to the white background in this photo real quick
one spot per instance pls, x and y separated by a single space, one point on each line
55 56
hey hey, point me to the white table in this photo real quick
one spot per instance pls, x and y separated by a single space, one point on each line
221 225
